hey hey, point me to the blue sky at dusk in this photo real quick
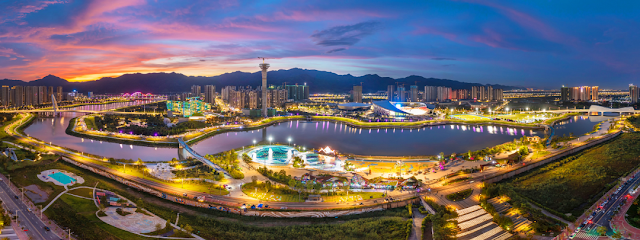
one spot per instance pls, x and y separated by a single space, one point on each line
523 43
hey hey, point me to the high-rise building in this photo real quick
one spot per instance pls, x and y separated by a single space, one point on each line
402 97
28 95
4 96
356 94
430 93
196 90
594 93
18 95
633 93
59 93
391 89
444 93
475 92
276 97
460 94
226 91
297 92
42 92
490 96
210 94
564 94
413 93
498 94
264 66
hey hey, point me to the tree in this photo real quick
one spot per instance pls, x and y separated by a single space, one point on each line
158 226
168 225
601 230
188 228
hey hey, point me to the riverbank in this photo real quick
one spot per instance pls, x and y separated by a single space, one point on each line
86 104
193 137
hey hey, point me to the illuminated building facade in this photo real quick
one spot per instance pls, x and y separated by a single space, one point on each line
188 107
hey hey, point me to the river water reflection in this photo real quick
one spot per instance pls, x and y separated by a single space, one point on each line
345 139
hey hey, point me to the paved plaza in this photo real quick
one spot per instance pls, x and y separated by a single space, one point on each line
134 222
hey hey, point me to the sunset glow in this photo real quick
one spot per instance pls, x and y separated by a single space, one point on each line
513 43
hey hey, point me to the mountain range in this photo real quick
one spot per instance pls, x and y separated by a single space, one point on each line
318 81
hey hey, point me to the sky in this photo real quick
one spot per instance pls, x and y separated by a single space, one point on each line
542 44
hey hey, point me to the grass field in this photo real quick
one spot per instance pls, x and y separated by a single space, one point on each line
353 196
286 195
572 184
92 226
82 192
524 116
188 185
469 117
539 154
91 123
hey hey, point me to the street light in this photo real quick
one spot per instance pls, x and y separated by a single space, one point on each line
254 142
270 139
289 139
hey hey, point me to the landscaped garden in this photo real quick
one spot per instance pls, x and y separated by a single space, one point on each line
572 184
633 214
458 196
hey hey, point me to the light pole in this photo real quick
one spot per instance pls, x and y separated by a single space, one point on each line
254 142
270 139
289 140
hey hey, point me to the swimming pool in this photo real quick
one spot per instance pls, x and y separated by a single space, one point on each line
62 178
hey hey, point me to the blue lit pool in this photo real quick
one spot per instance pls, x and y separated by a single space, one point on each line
62 178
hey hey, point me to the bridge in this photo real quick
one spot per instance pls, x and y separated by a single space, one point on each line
185 150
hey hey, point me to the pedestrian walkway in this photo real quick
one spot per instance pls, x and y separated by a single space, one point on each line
416 229
475 224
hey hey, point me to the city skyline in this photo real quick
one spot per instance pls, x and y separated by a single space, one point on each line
539 45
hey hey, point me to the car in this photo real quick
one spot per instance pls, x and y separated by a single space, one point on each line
29 209
590 217
573 235
47 228
16 197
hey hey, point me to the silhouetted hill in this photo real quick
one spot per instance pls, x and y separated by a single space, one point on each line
318 81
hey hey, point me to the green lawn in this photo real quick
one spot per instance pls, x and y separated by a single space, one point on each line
81 205
469 117
193 186
539 154
287 195
26 176
83 192
572 184
353 196
92 227
91 123
524 116
461 195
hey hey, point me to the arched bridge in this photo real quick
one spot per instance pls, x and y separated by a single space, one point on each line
185 150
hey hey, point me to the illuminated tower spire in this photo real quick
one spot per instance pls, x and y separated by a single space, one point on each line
264 66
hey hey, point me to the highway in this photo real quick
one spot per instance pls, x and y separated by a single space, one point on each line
604 215
28 220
